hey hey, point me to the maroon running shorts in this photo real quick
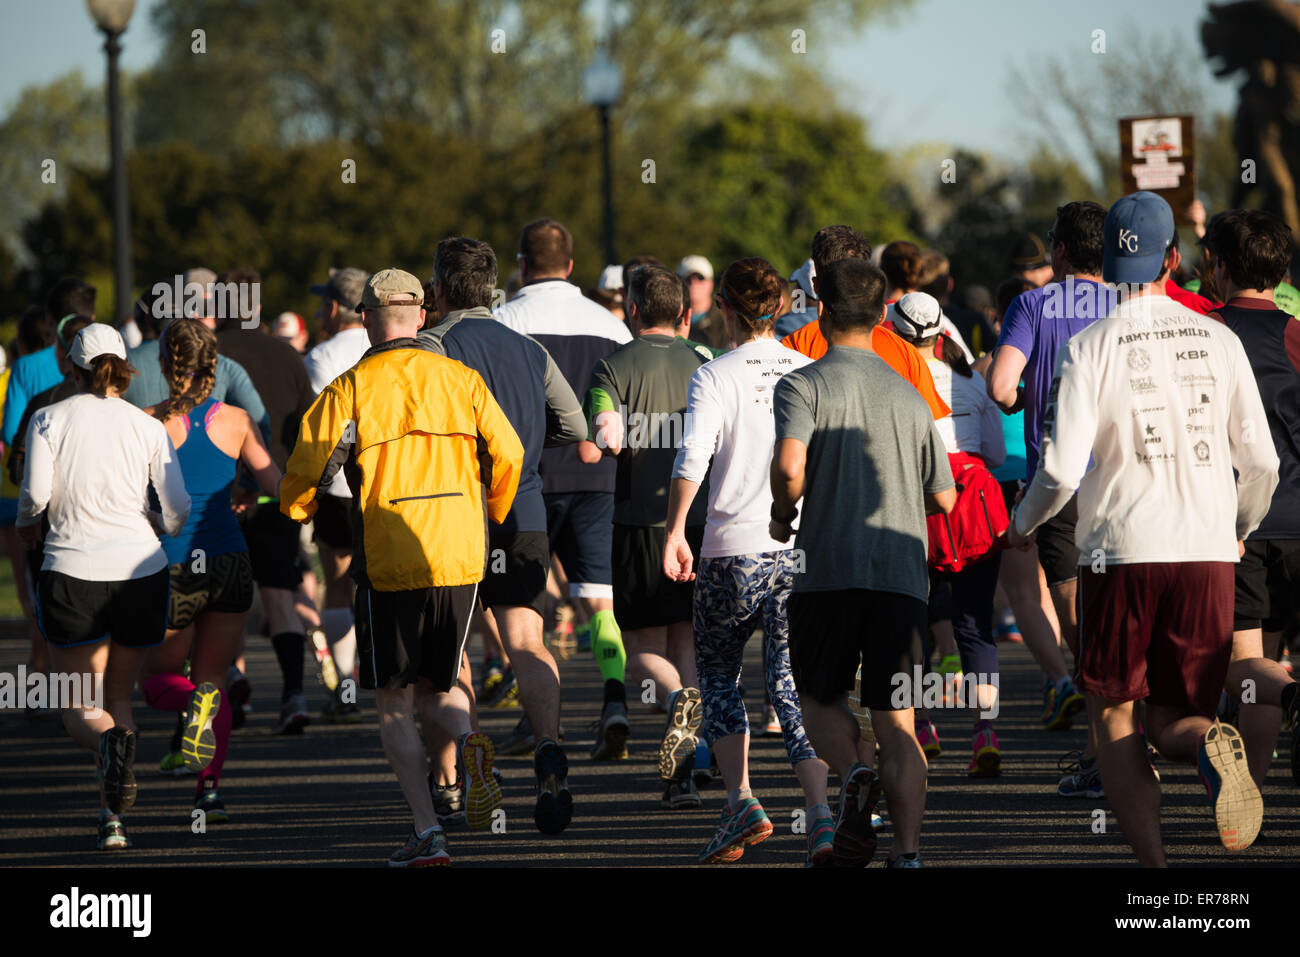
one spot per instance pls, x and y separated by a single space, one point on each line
1158 630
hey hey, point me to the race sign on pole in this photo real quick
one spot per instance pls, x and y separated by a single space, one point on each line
1158 153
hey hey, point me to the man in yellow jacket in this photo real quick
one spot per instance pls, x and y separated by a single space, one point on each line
430 458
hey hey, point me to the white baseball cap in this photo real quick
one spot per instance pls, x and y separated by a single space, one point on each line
916 316
611 278
695 264
96 339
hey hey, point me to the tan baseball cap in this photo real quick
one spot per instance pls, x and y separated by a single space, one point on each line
391 287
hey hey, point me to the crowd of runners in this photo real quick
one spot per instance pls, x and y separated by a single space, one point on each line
875 478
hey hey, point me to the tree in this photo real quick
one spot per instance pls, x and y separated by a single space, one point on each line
1155 75
64 121
764 179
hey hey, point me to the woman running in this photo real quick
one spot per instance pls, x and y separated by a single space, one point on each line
211 577
90 460
745 575
975 428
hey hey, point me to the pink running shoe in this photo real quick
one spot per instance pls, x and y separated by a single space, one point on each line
928 738
986 761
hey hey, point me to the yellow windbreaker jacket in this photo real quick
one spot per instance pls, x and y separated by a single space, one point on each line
422 443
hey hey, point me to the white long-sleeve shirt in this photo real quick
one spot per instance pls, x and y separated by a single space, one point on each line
90 460
975 424
729 420
325 363
1164 401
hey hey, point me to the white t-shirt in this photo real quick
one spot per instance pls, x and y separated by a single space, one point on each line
90 460
729 420
975 425
327 362
1164 401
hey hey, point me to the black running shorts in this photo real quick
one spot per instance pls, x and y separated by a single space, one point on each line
1056 549
1267 585
406 635
832 631
272 539
643 596
332 523
221 583
73 611
517 565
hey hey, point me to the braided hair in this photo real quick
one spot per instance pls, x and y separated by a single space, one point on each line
752 287
190 348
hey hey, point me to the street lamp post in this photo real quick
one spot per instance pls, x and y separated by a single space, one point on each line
602 82
111 16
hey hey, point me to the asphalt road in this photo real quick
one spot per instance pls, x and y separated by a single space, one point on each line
328 798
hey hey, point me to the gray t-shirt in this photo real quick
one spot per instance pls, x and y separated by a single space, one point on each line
873 452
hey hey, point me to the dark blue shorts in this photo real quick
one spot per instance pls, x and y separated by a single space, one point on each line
580 526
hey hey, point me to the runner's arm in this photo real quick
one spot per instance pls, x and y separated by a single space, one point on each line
169 482
326 438
501 443
258 460
1251 444
565 423
1069 428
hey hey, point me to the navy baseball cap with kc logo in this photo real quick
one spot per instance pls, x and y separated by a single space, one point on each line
1138 230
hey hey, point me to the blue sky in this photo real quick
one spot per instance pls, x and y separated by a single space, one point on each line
937 73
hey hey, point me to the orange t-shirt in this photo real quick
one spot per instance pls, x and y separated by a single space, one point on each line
896 353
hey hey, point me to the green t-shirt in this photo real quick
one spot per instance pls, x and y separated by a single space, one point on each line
646 381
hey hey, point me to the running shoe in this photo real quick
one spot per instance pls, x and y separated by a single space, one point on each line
905 862
209 802
677 750
117 762
199 741
492 675
681 795
1063 704
855 839
484 794
326 671
448 801
1291 719
1007 631
1049 695
1238 807
746 826
821 842
294 715
502 693
554 808
338 711
702 769
611 733
583 634
1082 776
986 759
238 691
112 835
560 639
950 664
173 765
771 722
928 738
520 740
428 851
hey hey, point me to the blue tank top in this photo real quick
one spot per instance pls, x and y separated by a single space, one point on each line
208 472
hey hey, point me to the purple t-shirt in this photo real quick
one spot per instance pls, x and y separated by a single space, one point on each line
1038 323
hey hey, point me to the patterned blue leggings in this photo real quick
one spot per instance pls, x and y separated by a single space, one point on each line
733 595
